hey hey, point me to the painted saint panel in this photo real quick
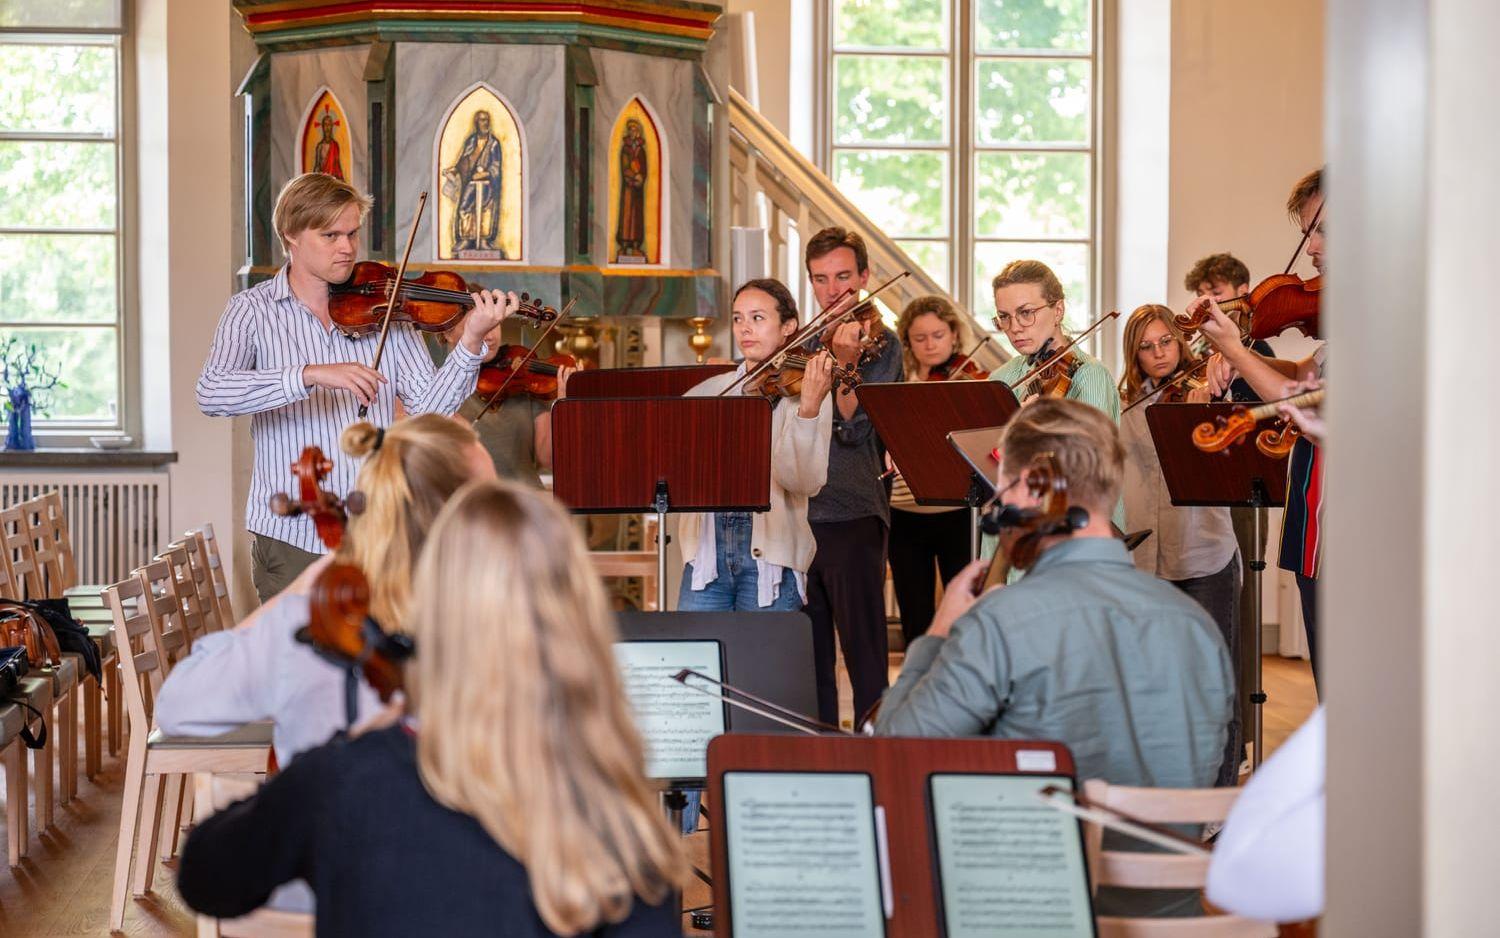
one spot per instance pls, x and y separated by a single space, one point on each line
480 167
325 138
636 170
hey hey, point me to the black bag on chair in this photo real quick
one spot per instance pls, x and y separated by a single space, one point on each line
13 667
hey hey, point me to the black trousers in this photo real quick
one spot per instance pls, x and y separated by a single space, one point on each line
1219 595
922 547
1307 588
845 589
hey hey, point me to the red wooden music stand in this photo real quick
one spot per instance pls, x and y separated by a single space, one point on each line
669 381
636 455
1238 477
899 769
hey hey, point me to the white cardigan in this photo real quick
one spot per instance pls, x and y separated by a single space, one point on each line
799 468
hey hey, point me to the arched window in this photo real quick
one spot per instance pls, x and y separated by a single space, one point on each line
480 165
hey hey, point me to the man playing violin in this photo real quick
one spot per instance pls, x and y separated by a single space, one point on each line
1273 379
851 516
1129 672
277 357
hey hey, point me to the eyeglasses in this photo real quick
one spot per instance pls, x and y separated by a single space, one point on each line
1024 317
1164 343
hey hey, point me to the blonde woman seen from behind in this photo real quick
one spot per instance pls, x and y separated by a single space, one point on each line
513 798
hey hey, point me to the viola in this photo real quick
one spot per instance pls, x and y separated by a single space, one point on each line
339 626
1276 442
435 301
328 512
516 370
1278 303
1022 531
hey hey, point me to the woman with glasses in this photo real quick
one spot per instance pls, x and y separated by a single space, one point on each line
1194 549
1029 309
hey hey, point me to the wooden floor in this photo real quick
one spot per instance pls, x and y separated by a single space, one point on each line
63 888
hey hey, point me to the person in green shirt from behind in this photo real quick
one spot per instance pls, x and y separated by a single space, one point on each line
1126 670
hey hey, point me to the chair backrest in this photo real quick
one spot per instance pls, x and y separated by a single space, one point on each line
203 581
164 606
9 587
36 514
20 550
176 556
216 570
1131 870
138 647
65 561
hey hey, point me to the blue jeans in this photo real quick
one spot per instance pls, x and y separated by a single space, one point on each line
737 586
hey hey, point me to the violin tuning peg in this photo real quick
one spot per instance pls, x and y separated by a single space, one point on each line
354 502
282 505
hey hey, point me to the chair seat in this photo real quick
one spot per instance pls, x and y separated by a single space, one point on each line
102 636
11 721
249 736
36 689
64 676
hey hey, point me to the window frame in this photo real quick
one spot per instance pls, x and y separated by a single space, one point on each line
52 432
964 149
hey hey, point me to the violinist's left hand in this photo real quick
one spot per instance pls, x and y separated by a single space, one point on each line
563 374
389 715
1217 328
491 307
1310 422
846 342
1198 395
817 381
958 596
1221 375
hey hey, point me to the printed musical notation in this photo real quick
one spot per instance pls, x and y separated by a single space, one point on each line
675 722
802 855
1010 866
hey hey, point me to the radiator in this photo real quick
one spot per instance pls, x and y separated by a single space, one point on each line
117 520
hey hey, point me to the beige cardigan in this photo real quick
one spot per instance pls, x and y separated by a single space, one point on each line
799 468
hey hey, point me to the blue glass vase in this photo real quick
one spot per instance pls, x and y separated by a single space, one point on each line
18 434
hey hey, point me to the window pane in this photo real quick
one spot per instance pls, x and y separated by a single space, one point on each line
96 14
90 369
932 257
1069 261
1032 101
51 184
1007 25
1031 195
57 88
890 99
57 278
891 24
905 194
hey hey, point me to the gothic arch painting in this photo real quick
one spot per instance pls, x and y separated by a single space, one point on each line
637 167
480 165
325 146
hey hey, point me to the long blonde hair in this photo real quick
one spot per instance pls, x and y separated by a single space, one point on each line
930 305
418 464
1132 377
524 722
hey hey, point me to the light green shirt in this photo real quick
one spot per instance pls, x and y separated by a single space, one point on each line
1126 670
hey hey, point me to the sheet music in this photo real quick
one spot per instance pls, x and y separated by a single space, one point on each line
676 722
1010 866
802 855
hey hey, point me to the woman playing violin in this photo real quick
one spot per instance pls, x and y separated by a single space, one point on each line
742 561
259 670
512 799
517 430
926 542
1029 309
1194 549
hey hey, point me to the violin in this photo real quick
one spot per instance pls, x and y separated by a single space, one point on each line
1276 442
1180 385
328 512
785 380
958 368
1278 303
435 301
877 335
340 627
1022 531
517 370
1054 376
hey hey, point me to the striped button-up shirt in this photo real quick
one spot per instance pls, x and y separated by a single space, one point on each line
264 340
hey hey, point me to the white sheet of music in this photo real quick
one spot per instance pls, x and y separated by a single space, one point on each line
802 855
1010 866
675 722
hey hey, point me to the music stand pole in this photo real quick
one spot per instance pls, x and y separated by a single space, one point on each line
1257 567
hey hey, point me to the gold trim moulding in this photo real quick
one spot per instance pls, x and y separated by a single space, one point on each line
460 268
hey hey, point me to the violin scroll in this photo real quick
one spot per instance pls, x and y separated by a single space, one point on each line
328 512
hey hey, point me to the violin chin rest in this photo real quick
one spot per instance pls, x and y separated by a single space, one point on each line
1078 517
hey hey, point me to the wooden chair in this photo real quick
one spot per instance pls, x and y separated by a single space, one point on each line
194 624
151 756
37 692
1129 870
15 539
203 582
630 563
214 792
216 570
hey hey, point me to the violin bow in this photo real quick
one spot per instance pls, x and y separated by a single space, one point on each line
490 404
828 317
390 302
1057 356
1305 235
958 368
767 709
